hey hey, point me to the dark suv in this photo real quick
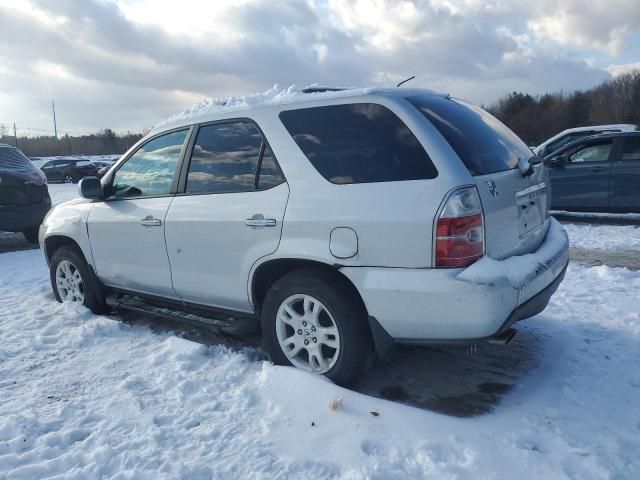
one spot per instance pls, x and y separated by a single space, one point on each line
24 197
600 173
68 170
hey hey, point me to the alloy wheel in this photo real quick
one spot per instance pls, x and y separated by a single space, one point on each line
307 333
69 282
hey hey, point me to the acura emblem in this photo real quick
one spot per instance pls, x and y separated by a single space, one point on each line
493 189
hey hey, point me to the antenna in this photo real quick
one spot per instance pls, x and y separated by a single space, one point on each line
55 126
407 80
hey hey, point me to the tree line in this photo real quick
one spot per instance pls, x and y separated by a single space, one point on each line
105 142
537 117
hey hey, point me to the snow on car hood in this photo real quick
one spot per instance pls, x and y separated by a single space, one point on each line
519 269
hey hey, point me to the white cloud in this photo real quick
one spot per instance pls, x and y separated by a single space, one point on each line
129 64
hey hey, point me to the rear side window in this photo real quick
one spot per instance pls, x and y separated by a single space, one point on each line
231 157
483 143
358 143
631 150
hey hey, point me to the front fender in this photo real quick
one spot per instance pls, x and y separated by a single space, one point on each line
69 221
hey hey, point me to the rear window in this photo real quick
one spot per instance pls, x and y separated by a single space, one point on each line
483 143
12 159
358 143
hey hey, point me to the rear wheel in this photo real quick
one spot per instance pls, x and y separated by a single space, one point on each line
68 178
31 233
310 321
72 282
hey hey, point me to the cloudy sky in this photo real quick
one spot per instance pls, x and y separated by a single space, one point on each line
127 64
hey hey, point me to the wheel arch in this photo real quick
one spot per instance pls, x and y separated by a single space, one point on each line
54 242
267 273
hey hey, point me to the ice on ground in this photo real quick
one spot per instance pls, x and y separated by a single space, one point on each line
518 270
87 396
62 192
603 237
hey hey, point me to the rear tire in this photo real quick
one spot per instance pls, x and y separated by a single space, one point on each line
334 341
71 280
31 234
68 178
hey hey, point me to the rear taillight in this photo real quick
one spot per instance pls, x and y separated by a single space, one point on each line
460 230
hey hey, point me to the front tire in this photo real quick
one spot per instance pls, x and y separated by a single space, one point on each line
68 178
311 320
31 234
71 280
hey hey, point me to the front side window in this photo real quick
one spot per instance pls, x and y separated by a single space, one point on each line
598 152
358 143
150 170
566 140
231 157
631 150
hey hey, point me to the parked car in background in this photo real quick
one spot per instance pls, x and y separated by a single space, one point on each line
572 134
68 170
24 197
597 173
343 222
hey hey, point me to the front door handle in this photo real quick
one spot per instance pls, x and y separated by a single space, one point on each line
149 221
258 220
597 169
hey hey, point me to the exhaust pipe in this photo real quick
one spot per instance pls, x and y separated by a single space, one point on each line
504 337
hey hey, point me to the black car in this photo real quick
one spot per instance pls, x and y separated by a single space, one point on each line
68 170
24 197
600 173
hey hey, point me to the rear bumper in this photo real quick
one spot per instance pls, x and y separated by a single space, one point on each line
436 306
17 219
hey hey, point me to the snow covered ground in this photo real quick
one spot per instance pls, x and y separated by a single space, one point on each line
85 396
603 237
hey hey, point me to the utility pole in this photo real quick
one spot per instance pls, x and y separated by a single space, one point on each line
55 126
15 134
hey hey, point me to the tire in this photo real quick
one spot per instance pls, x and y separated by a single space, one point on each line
333 295
31 234
93 296
68 178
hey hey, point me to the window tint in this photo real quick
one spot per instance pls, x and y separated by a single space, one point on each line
483 143
270 174
631 150
225 158
566 140
150 170
358 143
598 152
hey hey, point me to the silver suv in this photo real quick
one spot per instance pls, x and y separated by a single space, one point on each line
344 222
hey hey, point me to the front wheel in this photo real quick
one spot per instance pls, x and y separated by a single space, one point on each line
31 234
68 178
71 280
311 321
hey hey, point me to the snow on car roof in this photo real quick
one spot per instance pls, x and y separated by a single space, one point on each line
210 108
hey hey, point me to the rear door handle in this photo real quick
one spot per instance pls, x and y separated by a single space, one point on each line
149 221
258 220
596 169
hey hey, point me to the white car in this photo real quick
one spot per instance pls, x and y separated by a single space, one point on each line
343 221
571 134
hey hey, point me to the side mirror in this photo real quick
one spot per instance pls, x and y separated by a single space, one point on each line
559 161
90 187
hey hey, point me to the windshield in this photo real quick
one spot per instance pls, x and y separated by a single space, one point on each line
483 143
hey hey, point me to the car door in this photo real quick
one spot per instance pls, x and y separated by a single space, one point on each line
229 215
126 230
51 170
625 175
580 181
